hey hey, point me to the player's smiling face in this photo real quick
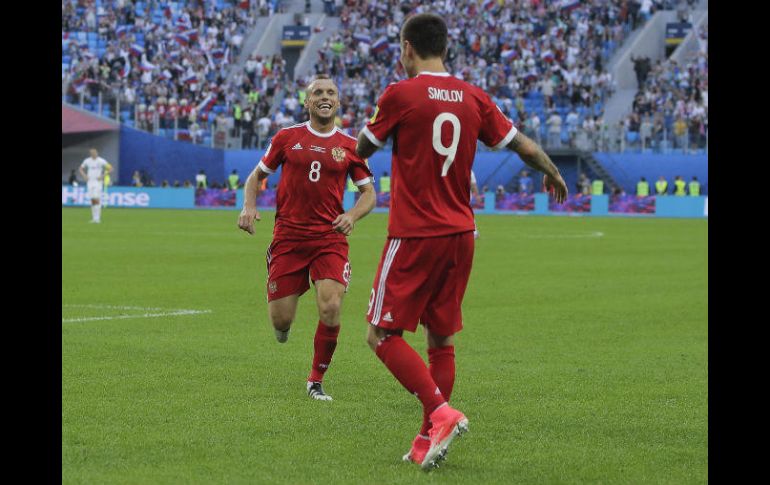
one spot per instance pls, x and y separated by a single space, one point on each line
323 100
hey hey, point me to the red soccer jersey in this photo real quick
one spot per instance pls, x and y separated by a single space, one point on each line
435 120
315 170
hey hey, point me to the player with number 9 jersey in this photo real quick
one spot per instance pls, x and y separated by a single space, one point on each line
435 121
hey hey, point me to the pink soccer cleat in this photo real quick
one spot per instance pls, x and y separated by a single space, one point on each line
447 423
420 447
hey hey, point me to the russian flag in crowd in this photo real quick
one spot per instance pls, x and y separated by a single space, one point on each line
182 38
508 54
489 5
192 35
207 104
146 65
164 75
191 79
218 53
121 31
569 4
136 49
173 55
380 44
362 38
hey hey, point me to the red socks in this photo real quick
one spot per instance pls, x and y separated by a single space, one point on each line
442 369
324 343
408 367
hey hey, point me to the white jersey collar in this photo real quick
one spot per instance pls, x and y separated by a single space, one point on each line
318 133
442 74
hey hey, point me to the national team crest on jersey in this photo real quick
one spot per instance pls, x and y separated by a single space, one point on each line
338 154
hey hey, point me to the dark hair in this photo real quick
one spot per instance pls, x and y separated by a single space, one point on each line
427 33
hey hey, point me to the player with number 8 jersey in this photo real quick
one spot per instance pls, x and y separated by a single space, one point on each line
309 236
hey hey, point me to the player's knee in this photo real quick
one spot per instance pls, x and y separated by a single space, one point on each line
281 322
374 336
330 309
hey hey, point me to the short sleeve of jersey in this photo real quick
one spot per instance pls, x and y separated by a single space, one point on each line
385 118
497 130
273 157
359 172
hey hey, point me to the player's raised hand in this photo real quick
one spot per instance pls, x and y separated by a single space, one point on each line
556 186
344 224
247 218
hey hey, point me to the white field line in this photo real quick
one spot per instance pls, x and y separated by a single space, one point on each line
150 313
565 236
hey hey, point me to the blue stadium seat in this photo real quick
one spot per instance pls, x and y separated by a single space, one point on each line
632 136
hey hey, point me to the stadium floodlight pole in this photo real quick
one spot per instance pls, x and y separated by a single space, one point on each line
100 102
117 108
176 130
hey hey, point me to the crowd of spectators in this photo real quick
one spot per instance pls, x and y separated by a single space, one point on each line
542 61
162 64
536 58
671 104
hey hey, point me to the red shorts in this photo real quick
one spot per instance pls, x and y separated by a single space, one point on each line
292 264
422 280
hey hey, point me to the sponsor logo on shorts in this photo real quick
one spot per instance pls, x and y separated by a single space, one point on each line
338 154
272 286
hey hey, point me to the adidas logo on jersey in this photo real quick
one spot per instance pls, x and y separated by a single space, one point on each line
297 147
387 317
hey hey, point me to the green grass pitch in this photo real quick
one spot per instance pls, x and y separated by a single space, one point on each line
584 358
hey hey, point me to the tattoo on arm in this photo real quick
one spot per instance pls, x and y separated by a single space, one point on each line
531 154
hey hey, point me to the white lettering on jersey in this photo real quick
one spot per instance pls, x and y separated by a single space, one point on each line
453 96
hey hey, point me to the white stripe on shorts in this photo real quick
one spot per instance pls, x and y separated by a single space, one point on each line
390 255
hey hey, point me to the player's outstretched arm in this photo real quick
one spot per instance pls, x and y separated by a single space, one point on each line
344 223
534 156
365 148
251 189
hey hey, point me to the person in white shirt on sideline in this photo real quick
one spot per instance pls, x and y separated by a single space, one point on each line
96 168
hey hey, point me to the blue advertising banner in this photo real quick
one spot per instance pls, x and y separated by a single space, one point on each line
142 197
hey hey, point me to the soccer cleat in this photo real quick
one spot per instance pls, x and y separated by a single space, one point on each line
315 391
282 335
447 423
420 447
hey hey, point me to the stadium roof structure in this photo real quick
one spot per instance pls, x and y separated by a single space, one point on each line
74 120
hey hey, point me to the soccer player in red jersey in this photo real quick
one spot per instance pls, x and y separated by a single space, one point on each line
435 120
309 237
